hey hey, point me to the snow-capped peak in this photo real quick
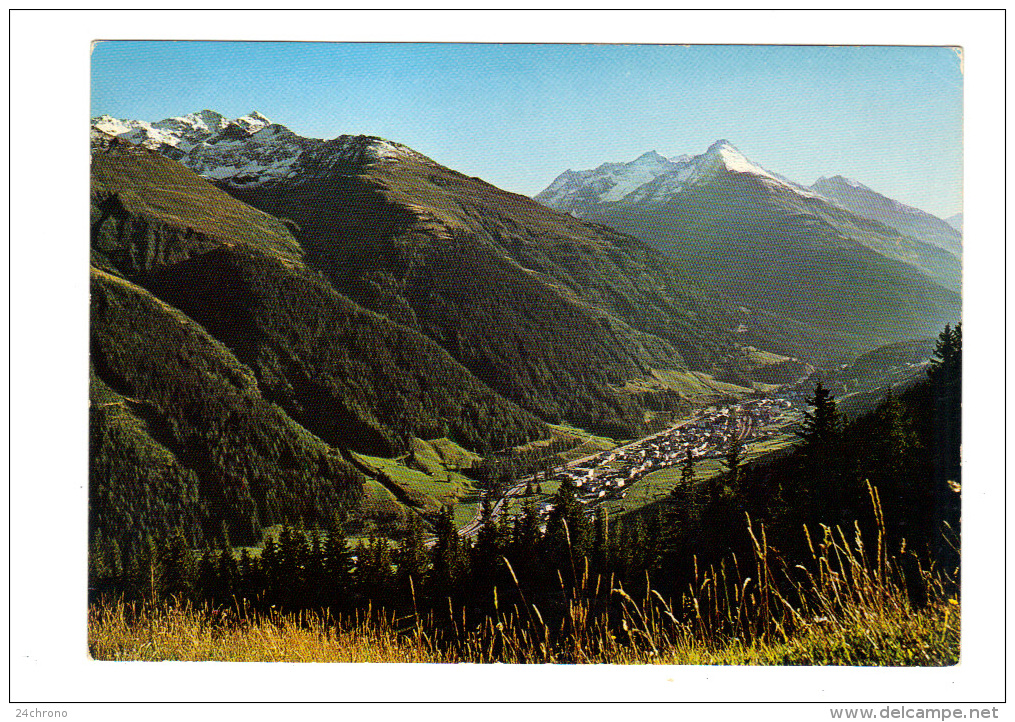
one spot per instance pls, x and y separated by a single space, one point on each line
735 161
249 150
572 191
252 121
115 126
653 178
838 180
203 122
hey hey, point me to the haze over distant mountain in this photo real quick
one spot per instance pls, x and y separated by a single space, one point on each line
863 201
775 245
955 221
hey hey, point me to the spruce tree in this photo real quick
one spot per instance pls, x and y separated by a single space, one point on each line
272 579
486 553
314 571
946 365
411 559
373 569
825 498
207 577
176 565
338 566
732 461
450 564
568 537
246 587
945 376
361 570
601 542
687 471
822 425
525 541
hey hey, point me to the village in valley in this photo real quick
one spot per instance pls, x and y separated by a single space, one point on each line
708 434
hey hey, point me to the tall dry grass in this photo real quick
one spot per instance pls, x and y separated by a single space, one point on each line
849 605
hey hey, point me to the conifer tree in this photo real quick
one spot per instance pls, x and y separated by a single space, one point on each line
313 572
373 568
681 506
601 542
732 462
487 552
568 537
338 565
653 545
946 365
945 377
245 584
411 558
450 565
687 471
145 576
228 574
525 541
176 565
823 497
207 576
361 570
822 425
272 579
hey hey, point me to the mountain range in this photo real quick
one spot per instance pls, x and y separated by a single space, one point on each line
834 257
265 304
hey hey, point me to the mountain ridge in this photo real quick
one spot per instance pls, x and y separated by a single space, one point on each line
864 201
442 253
752 233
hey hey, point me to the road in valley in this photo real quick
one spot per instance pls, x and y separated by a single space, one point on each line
707 433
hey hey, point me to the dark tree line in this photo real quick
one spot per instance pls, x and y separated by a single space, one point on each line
906 450
520 555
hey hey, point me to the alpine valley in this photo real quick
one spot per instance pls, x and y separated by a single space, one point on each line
282 326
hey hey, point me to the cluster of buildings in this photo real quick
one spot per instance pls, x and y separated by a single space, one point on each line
610 474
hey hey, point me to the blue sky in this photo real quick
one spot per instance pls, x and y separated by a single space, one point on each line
518 115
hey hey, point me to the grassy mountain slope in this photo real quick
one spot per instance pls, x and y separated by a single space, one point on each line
553 312
149 211
237 407
790 263
863 383
353 377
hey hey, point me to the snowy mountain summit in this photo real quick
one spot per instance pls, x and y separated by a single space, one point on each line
653 178
246 151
